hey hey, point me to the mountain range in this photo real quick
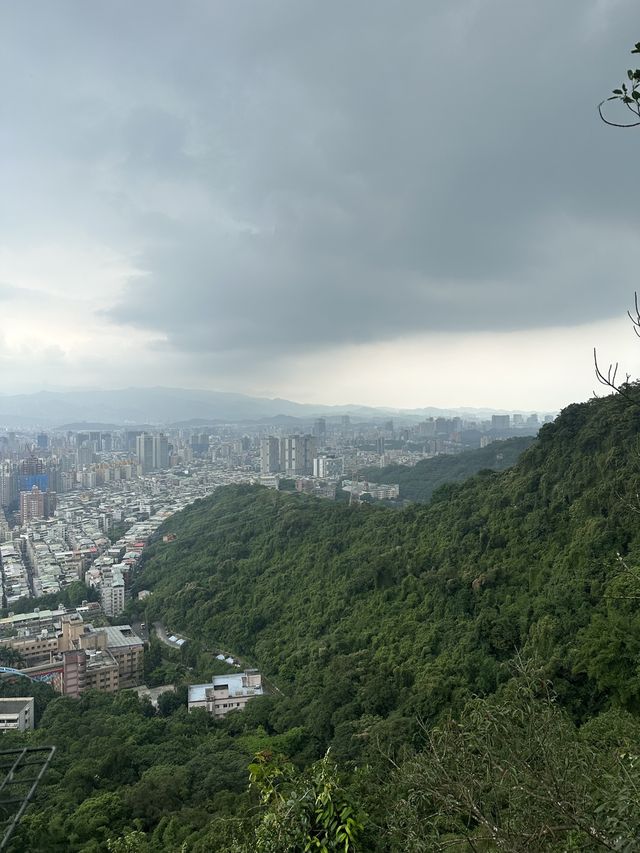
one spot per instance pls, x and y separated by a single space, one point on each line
161 405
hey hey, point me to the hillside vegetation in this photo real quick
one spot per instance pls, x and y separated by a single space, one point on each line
377 626
420 481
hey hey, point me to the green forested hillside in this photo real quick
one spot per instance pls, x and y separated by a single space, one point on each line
377 626
418 483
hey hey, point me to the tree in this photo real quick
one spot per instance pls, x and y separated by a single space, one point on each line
304 811
610 378
628 94
514 773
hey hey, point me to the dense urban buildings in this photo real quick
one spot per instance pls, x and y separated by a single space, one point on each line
64 648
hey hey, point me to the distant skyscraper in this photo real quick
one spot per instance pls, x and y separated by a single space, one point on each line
84 455
131 439
160 451
43 441
31 505
8 484
320 429
144 451
296 454
269 455
500 421
32 466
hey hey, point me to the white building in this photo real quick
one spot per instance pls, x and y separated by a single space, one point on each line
16 713
112 590
296 454
226 692
325 467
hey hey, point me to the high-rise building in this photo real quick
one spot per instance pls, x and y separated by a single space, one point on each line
160 451
31 505
84 455
130 439
269 455
112 591
320 429
144 451
500 421
42 441
32 467
296 454
8 484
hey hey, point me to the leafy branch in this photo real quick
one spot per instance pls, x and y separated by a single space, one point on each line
628 94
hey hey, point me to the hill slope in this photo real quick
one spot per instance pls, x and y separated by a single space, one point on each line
409 612
418 483
377 624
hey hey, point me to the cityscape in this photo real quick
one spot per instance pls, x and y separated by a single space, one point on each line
319 427
81 506
64 493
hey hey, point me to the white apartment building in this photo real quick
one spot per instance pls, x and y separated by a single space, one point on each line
112 590
226 693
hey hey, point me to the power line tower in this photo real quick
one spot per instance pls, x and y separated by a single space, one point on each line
21 770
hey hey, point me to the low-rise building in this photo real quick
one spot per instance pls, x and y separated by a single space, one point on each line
16 713
226 692
128 650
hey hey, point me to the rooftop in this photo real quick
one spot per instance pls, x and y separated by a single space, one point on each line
233 682
121 635
15 704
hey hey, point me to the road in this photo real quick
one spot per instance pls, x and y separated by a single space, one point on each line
163 637
142 632
161 633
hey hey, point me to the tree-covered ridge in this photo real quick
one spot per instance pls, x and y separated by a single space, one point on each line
361 612
378 627
418 483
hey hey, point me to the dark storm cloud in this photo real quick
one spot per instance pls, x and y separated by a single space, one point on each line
294 175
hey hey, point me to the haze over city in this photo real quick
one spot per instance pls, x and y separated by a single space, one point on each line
418 206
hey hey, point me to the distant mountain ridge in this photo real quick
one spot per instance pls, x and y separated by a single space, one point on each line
161 405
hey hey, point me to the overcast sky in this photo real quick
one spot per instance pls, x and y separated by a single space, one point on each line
405 203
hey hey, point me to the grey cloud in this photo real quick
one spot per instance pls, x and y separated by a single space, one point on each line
294 175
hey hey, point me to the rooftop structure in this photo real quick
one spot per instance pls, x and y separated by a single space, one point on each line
226 692
16 713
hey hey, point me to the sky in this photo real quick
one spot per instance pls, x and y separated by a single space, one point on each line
404 203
